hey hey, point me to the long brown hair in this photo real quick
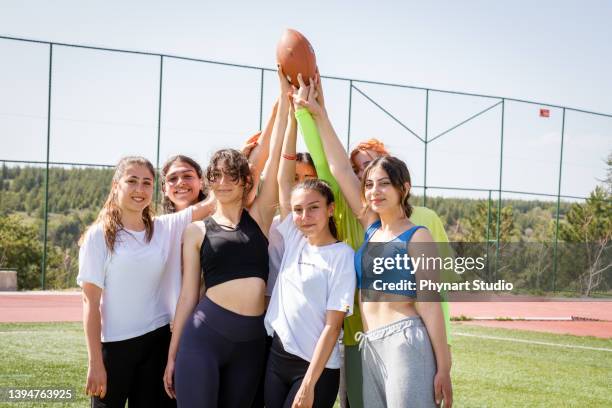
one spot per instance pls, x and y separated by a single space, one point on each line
110 215
398 175
323 188
167 205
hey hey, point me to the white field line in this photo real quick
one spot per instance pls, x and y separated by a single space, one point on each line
30 331
41 293
513 318
542 343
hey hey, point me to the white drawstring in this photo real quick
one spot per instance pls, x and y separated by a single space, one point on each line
361 338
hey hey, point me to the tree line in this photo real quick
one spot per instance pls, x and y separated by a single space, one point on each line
77 194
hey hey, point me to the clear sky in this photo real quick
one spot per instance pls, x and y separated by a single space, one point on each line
105 105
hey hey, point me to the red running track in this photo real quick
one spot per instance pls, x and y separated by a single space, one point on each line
40 307
66 306
579 310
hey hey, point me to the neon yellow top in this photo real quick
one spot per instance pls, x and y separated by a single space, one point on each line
349 228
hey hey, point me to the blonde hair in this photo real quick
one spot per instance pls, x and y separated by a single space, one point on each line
110 215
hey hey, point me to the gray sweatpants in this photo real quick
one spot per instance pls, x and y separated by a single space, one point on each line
398 365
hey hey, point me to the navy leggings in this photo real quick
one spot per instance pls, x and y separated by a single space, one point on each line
258 401
220 358
284 375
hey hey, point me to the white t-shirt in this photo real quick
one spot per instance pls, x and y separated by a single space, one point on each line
135 300
312 280
173 276
276 248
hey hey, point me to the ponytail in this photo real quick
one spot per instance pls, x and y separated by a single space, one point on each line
332 227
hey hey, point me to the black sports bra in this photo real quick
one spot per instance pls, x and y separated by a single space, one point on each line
227 254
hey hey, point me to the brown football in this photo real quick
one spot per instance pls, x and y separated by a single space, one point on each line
295 55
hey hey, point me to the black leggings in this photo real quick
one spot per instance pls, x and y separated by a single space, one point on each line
135 370
284 375
258 401
220 358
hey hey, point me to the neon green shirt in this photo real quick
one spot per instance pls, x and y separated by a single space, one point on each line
349 227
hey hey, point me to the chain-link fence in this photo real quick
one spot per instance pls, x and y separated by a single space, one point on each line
72 111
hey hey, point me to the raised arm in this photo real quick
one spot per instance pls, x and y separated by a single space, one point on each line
309 131
339 162
259 155
349 227
188 299
264 206
258 151
286 168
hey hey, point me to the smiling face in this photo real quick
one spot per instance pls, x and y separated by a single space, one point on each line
182 185
379 192
310 212
134 190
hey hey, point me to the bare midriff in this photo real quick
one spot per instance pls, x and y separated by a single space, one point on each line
242 296
378 314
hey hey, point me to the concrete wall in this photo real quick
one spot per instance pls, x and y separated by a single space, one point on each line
8 280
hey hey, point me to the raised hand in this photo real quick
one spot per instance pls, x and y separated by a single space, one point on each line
307 97
248 148
319 89
285 86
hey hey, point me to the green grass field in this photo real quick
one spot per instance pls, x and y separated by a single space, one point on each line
486 372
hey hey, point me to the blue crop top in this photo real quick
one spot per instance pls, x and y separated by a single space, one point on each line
387 249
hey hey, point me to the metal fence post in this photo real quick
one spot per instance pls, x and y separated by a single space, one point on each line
44 257
159 113
499 191
488 232
261 95
558 204
426 143
350 108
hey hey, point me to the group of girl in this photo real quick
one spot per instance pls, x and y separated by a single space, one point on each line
220 303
